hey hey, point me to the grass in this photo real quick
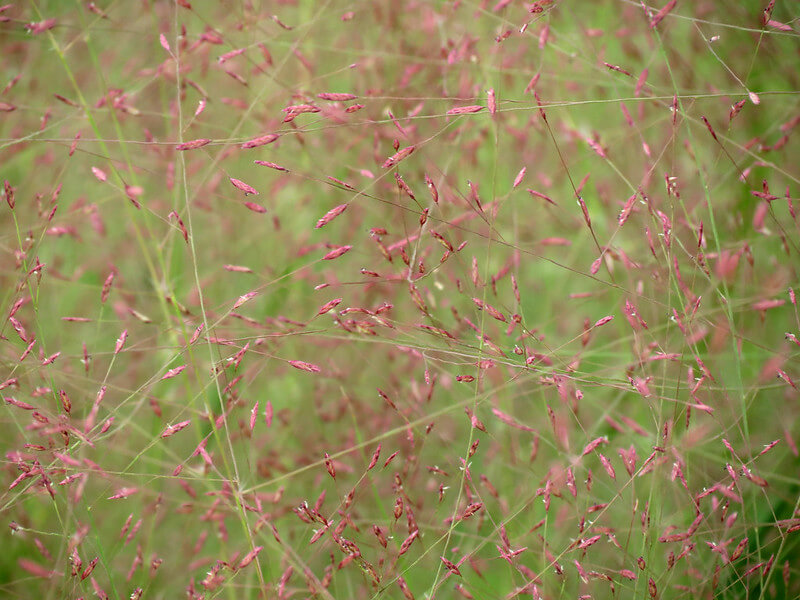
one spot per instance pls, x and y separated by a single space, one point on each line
542 346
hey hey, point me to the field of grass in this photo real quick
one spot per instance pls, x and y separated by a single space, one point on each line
371 300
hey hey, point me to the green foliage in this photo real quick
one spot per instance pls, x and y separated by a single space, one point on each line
571 371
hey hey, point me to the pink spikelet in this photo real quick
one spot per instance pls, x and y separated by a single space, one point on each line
241 185
253 416
271 165
465 110
107 287
491 102
193 144
336 252
375 456
520 176
164 43
173 429
244 298
260 141
336 97
99 174
305 366
250 557
184 231
398 156
331 215
329 466
328 306
120 341
659 16
173 372
268 414
255 207
195 335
